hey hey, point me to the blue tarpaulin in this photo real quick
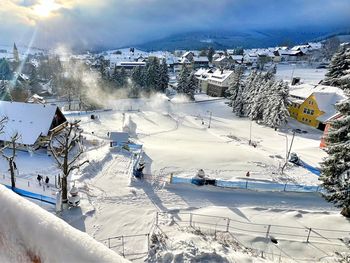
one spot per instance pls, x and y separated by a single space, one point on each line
312 169
251 185
31 195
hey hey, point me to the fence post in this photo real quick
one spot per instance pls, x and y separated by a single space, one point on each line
55 181
28 183
268 231
308 235
123 246
246 184
317 188
285 186
228 225
191 219
109 243
147 242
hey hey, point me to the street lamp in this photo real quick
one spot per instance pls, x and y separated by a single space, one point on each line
250 132
210 114
290 148
291 81
284 135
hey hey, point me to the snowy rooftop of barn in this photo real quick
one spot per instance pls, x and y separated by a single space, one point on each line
28 119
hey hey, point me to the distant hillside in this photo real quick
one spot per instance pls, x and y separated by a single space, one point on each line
224 40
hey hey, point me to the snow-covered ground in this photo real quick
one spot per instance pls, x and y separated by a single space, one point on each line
306 73
176 139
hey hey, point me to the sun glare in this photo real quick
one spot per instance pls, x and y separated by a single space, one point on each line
45 8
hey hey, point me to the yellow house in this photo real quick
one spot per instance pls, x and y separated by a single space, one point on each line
314 104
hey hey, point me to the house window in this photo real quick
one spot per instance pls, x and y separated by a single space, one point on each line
309 121
302 119
305 110
312 112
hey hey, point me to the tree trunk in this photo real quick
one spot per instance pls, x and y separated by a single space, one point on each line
345 211
12 172
64 189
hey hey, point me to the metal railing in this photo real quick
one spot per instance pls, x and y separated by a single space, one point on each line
125 244
291 233
250 185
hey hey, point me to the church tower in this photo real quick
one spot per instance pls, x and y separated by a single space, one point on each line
15 53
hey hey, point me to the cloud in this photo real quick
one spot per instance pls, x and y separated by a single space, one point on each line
108 23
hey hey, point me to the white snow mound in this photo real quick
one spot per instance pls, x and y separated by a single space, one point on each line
28 233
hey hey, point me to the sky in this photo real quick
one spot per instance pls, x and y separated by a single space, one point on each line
115 23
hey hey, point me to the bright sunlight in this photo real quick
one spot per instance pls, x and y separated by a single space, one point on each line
45 8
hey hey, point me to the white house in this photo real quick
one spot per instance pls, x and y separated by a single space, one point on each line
218 82
34 123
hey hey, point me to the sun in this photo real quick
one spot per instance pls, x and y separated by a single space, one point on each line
45 8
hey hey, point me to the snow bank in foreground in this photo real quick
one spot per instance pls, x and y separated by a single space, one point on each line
31 234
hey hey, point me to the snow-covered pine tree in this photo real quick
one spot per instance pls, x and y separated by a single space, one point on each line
153 74
232 91
191 86
259 102
164 77
136 75
252 92
239 105
4 92
335 174
123 77
339 68
183 80
276 112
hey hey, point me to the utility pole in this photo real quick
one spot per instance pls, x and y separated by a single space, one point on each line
284 135
290 148
250 132
210 114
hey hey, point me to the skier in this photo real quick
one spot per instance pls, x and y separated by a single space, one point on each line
247 174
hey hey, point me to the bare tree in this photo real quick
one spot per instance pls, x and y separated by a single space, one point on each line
11 158
67 148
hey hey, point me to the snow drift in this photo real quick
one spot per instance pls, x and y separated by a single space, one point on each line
30 234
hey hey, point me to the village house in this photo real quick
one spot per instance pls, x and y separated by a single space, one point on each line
323 143
202 76
218 82
314 104
222 62
34 123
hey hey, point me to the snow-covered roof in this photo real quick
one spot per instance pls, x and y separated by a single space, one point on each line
220 59
303 91
220 75
326 102
28 119
201 59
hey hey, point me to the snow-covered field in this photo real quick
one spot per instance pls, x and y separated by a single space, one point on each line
176 139
305 72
